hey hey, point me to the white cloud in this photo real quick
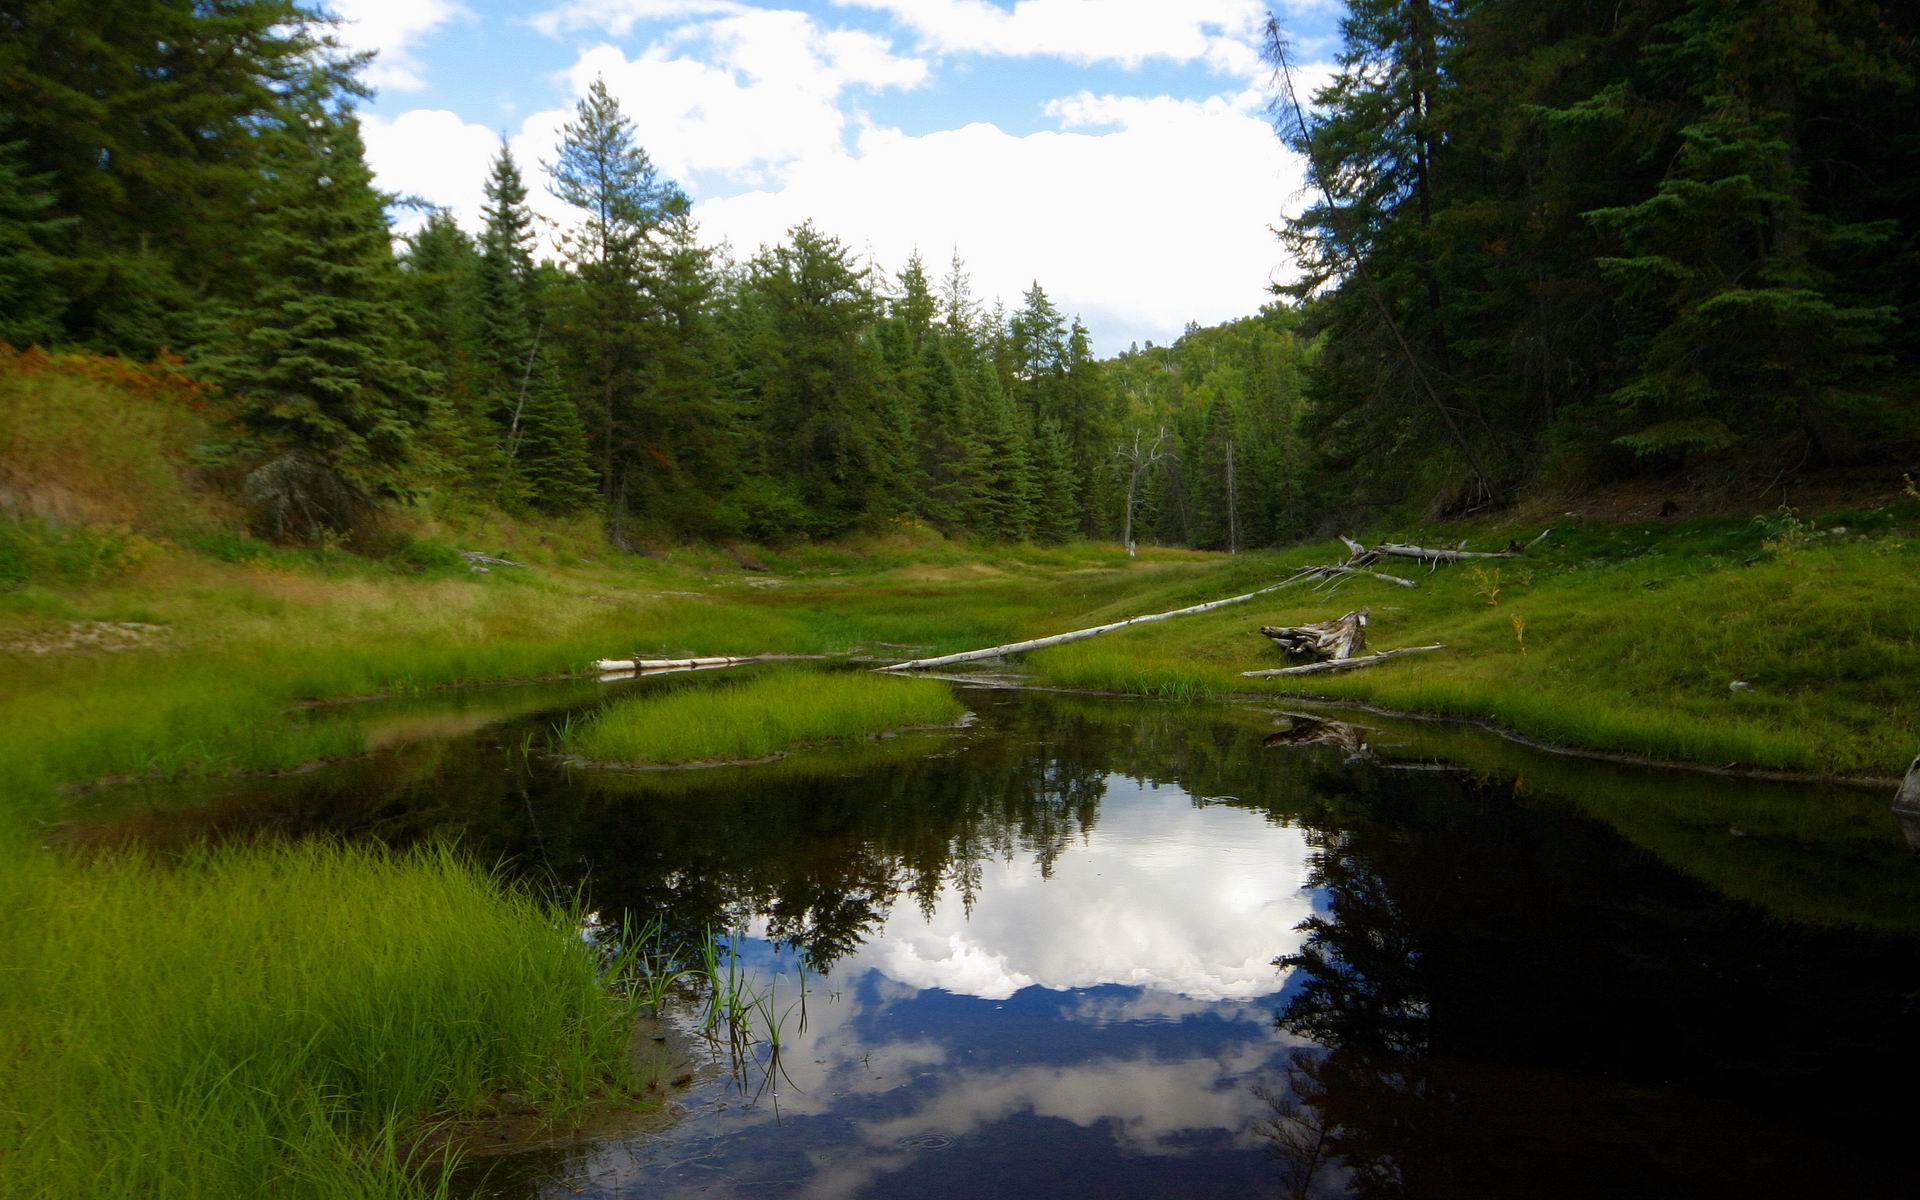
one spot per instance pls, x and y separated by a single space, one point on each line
391 28
1139 213
1221 32
434 154
743 95
618 17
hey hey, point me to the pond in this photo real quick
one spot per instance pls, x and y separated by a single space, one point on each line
1103 948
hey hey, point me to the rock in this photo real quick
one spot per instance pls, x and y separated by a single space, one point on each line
479 570
1906 805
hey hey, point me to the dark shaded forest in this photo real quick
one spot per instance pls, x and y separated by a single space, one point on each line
1544 247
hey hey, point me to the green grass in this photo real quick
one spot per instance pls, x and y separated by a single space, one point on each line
1632 636
758 716
277 1022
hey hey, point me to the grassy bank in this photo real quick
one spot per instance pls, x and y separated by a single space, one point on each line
271 1021
277 1022
762 715
1614 638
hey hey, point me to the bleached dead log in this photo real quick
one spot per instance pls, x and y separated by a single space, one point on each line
474 556
1360 556
1061 638
1335 639
1426 555
661 664
1341 664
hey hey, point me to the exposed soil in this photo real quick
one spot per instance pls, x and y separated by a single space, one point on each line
84 637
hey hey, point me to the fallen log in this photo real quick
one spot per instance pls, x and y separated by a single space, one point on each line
1335 639
1076 635
1341 664
661 664
1426 555
479 559
1360 556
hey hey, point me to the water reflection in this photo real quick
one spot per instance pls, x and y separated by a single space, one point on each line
1107 949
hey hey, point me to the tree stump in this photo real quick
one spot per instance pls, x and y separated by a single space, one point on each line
1324 640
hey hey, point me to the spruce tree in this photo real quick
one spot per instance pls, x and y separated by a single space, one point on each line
440 277
31 303
916 306
1056 513
944 440
320 351
547 444
543 454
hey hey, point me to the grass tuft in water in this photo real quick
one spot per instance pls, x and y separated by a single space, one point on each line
758 716
284 1021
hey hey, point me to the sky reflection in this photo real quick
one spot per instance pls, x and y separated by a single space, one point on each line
1123 997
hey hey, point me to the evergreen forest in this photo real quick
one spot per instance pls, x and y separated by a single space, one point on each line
1542 247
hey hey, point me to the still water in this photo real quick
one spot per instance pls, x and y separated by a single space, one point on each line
1105 948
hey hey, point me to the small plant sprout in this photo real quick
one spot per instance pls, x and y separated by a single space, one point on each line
1486 583
1520 632
1784 534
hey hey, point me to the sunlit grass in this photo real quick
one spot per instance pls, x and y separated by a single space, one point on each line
281 1021
1633 638
758 716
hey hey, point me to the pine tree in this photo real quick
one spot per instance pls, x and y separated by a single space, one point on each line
943 441
1037 338
1000 461
819 421
149 117
1087 416
691 431
1740 319
916 306
30 300
602 170
506 275
320 352
1056 513
548 444
440 279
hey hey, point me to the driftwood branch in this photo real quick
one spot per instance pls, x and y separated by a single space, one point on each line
474 556
1341 664
1060 638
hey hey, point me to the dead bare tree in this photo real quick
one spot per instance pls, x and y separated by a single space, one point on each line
1137 460
1233 506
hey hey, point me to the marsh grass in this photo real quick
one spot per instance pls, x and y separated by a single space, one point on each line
282 1021
1632 636
757 716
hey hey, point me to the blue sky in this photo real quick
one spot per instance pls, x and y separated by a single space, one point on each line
1116 150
